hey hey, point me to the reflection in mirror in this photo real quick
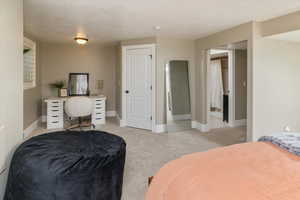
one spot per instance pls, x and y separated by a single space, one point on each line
178 96
78 84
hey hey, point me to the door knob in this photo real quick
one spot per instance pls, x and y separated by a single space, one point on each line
127 91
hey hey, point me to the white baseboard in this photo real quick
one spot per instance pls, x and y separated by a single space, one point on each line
31 128
241 122
182 117
120 121
111 113
200 127
217 114
194 124
160 128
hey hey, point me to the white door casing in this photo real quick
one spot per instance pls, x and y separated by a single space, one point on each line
3 148
138 84
231 95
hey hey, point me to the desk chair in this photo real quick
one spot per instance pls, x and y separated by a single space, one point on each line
79 107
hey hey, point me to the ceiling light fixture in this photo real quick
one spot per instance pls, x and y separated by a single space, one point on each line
81 40
156 28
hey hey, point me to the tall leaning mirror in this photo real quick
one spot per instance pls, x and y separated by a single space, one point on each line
178 98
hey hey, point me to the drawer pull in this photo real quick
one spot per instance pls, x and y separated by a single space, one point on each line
98 118
98 107
55 102
98 104
55 106
55 116
55 110
55 122
98 113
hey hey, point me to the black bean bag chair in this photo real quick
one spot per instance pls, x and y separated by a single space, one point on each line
68 165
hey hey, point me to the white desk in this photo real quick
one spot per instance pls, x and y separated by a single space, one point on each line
55 111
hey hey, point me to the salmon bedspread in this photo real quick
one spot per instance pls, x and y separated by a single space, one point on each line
250 171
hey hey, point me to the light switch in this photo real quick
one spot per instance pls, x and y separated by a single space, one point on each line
286 129
2 127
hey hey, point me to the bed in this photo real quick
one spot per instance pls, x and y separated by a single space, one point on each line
250 171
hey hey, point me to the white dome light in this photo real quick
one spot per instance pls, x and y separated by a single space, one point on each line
81 40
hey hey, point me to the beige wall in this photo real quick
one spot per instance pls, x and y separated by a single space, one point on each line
11 82
172 49
119 80
58 60
252 32
169 48
166 49
281 24
240 84
33 97
242 32
276 86
266 52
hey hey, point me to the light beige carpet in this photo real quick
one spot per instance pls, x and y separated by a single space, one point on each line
147 152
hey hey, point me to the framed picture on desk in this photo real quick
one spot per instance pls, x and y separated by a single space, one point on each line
63 92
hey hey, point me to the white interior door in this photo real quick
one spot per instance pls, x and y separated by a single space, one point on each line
138 88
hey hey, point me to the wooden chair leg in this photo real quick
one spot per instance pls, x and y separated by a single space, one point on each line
150 180
73 126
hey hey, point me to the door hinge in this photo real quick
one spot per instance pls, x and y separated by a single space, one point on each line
151 87
150 56
151 118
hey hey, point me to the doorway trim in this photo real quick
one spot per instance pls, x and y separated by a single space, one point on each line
231 88
153 80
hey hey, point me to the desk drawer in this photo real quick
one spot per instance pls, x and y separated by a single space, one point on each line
99 112
55 125
55 103
98 116
52 118
96 120
54 122
99 108
54 111
99 105
99 102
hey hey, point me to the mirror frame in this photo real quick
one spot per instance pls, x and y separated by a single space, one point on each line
88 84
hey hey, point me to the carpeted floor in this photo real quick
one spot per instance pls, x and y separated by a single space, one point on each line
147 152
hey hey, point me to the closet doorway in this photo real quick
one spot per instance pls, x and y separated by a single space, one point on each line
220 84
227 86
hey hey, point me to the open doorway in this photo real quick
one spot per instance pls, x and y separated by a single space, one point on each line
227 86
220 65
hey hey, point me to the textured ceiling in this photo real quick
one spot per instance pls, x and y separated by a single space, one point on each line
112 20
